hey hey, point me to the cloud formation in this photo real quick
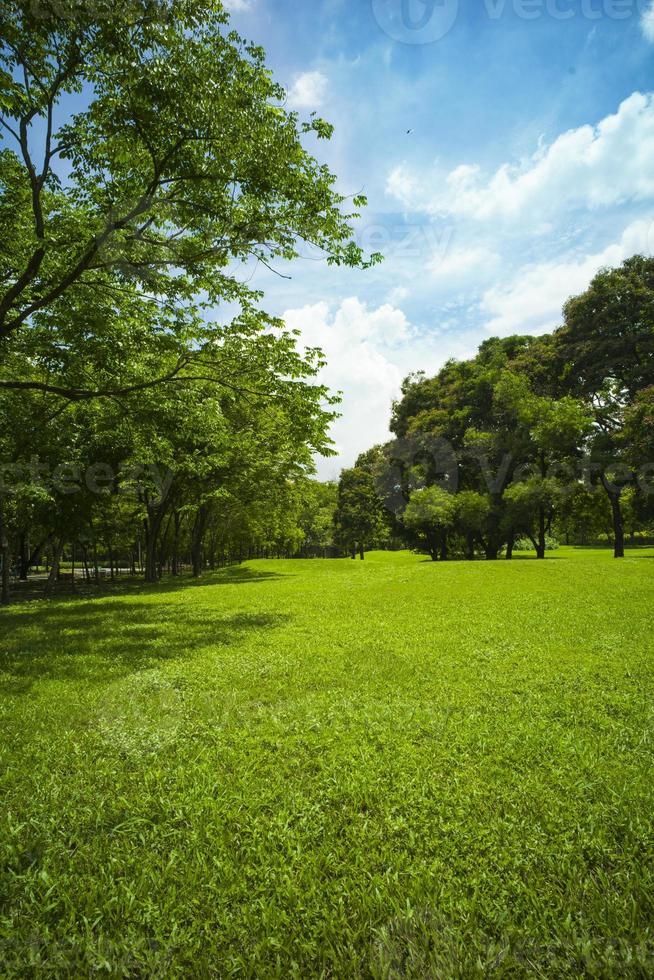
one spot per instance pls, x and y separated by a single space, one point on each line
647 22
532 300
588 167
308 90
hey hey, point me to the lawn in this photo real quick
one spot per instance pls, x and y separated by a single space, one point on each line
388 768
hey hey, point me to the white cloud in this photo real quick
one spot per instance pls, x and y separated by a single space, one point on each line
397 295
460 262
532 301
647 22
308 90
237 6
369 351
402 186
592 166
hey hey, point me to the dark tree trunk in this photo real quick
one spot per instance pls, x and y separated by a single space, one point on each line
361 552
212 552
540 544
509 547
197 539
57 547
444 547
35 556
152 529
175 557
151 533
24 558
85 562
96 569
614 494
470 546
5 556
618 526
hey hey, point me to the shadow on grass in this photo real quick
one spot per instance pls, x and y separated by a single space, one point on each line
135 585
457 560
76 638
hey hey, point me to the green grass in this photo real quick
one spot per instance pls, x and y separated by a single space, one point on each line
331 768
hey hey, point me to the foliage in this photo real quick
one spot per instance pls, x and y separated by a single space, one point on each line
129 338
359 519
431 512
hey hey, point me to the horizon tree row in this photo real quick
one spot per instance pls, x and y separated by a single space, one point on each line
533 437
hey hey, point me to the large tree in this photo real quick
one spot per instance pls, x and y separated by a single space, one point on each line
179 163
605 353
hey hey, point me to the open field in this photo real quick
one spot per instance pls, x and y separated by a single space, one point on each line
388 768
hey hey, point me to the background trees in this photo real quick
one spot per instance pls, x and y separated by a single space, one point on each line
550 434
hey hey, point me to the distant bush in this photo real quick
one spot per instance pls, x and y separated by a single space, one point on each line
524 544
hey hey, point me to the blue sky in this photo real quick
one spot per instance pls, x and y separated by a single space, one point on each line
530 164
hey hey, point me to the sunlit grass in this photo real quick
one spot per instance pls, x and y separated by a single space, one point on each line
388 768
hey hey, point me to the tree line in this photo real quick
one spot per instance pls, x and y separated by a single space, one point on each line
532 440
151 411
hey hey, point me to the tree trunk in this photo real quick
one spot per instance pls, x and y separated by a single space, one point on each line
5 556
175 557
470 546
57 546
151 525
361 552
152 529
34 557
96 569
24 559
197 538
509 547
540 544
85 561
616 513
444 547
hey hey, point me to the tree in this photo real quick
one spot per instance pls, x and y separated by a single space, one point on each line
183 162
605 353
607 333
359 518
552 434
472 512
530 504
431 513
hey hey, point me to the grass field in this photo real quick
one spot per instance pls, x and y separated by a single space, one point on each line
388 768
